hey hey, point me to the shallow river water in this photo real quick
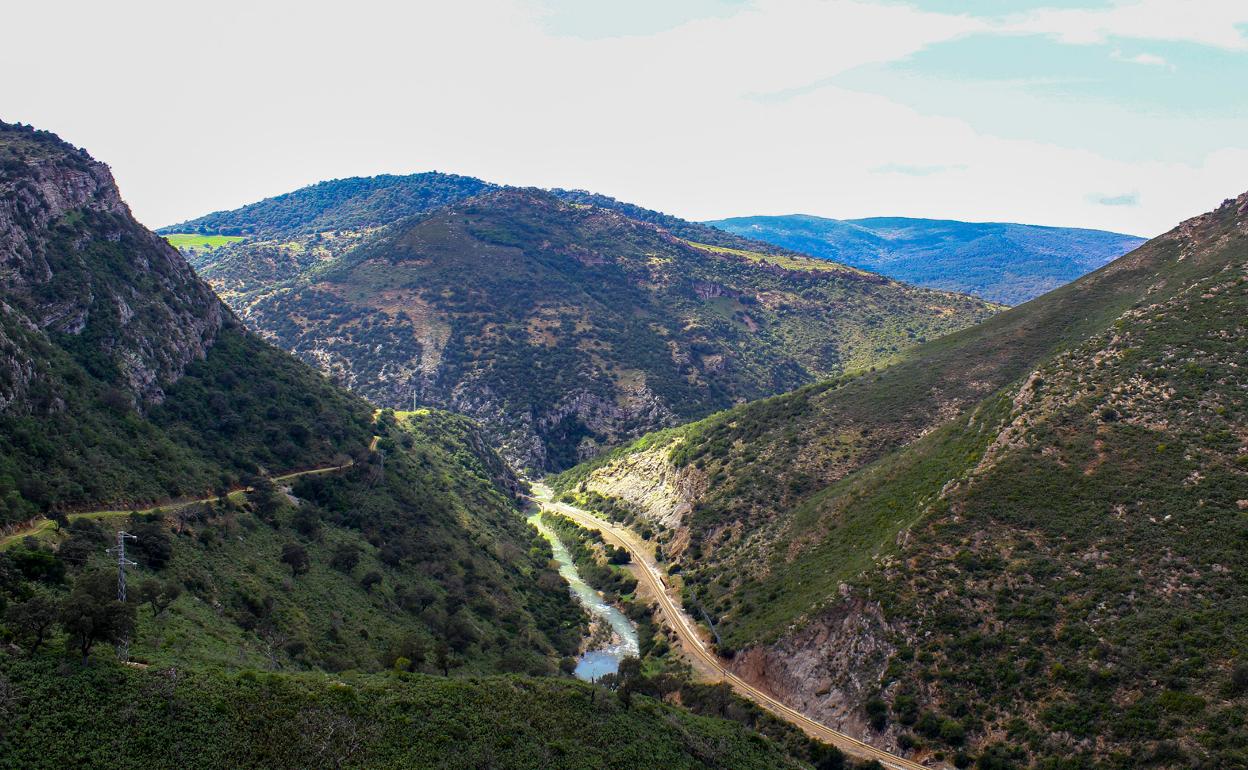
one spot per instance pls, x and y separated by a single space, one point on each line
604 660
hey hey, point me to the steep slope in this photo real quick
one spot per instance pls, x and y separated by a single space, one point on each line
128 383
563 327
140 321
124 378
1024 541
1001 262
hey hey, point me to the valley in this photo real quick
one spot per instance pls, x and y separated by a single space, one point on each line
708 664
431 471
621 642
802 534
308 575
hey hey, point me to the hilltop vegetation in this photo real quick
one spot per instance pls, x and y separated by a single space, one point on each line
1001 262
565 327
1022 542
356 203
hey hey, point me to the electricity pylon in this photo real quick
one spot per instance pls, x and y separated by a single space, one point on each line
123 646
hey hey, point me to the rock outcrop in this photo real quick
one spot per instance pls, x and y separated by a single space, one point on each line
76 265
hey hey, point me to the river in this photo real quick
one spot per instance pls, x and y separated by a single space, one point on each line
603 660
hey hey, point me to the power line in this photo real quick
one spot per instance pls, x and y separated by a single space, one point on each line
123 646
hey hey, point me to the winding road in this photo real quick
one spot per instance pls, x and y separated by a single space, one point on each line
35 527
707 661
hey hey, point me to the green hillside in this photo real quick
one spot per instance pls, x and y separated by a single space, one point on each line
124 379
130 385
1030 528
564 327
114 716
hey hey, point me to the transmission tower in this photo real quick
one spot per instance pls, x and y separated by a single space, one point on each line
123 647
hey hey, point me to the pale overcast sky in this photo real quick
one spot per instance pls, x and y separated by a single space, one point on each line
1124 115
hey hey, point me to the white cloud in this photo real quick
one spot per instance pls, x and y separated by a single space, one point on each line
209 109
1121 199
1206 22
1147 59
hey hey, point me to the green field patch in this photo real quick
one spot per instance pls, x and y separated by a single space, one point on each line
197 242
787 262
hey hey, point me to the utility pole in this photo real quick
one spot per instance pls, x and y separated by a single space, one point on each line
123 647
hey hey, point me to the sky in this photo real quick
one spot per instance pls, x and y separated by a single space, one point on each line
1126 115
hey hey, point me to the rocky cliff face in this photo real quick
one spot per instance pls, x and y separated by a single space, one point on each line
829 668
75 265
651 485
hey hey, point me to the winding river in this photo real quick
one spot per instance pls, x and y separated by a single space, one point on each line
604 660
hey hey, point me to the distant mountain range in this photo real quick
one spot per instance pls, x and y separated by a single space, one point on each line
563 321
1001 262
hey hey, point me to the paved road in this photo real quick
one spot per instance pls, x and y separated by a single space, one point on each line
694 645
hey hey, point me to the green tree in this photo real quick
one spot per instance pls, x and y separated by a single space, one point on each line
1239 679
826 757
444 658
152 546
37 563
266 498
31 622
93 614
296 557
307 521
345 557
159 593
